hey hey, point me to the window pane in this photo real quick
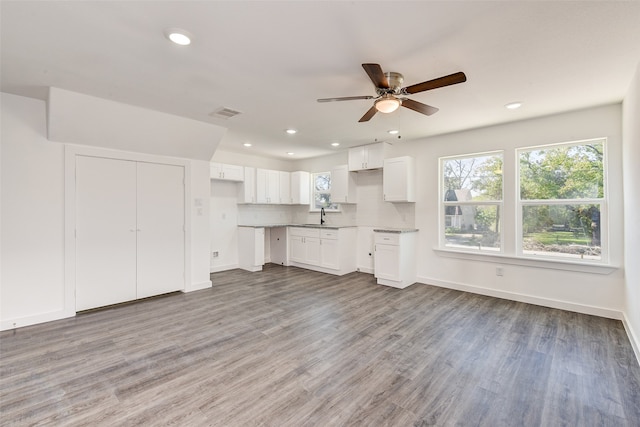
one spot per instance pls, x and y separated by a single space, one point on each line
561 230
472 178
473 227
562 172
323 200
322 182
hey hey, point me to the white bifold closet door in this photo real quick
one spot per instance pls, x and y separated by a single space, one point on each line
160 229
129 230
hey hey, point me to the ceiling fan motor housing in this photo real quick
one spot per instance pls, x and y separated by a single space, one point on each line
395 81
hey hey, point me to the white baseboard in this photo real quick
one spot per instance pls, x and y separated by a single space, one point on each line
633 337
20 322
219 268
199 286
530 299
366 270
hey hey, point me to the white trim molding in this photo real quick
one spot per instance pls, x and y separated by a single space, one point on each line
633 337
529 299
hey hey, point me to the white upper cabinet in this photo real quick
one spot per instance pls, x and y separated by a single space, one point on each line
285 187
247 188
300 188
267 186
398 180
369 156
343 185
226 172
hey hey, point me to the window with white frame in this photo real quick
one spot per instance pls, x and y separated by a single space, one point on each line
321 188
562 200
471 202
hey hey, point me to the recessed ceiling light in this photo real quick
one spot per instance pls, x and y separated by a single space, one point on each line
335 144
178 36
291 131
513 105
291 153
247 144
394 131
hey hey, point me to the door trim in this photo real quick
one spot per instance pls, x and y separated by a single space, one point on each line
70 153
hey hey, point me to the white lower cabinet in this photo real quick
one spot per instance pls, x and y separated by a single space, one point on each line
394 258
327 250
251 248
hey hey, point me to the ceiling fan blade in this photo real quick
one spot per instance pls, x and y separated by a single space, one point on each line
369 114
419 107
451 79
346 98
376 75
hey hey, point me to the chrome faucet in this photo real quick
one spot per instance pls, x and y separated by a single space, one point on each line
322 214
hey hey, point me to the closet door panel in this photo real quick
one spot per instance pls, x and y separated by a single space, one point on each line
161 245
105 231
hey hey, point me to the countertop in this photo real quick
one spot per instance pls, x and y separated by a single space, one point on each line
395 230
328 226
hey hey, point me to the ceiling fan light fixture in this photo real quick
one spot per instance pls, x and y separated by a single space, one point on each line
387 104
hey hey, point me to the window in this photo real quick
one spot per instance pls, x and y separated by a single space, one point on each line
321 186
471 201
561 201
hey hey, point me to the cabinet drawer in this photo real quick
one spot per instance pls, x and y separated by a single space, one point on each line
304 232
387 238
329 234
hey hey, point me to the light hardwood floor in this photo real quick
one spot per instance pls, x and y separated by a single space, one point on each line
290 347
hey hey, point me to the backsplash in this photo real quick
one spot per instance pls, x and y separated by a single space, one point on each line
264 214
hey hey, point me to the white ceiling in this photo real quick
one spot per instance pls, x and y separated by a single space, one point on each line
271 60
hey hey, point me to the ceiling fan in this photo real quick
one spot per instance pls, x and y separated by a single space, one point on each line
391 93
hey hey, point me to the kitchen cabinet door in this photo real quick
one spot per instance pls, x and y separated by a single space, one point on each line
247 188
369 156
226 172
267 186
284 188
387 262
297 250
330 253
312 245
300 188
343 185
398 180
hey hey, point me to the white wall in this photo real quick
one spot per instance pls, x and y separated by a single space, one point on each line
200 217
33 289
82 119
631 159
32 258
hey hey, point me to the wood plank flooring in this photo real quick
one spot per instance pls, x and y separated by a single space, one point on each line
291 347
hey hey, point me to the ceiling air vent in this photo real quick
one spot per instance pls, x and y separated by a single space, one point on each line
225 113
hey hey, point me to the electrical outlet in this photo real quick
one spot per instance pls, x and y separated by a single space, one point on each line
499 271
214 254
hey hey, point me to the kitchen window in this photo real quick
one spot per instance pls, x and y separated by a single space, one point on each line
321 188
562 201
471 202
